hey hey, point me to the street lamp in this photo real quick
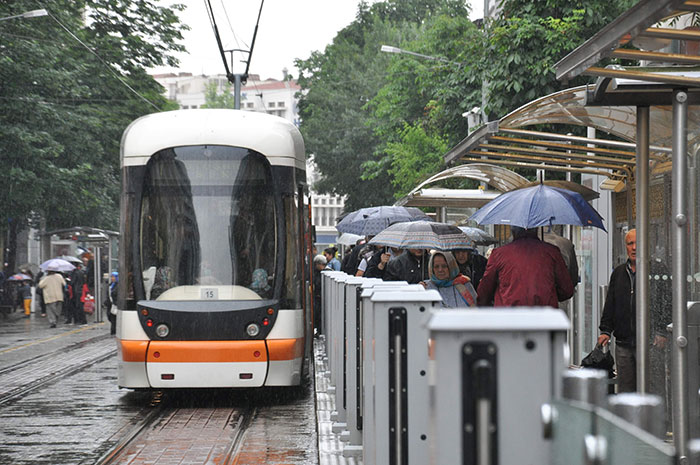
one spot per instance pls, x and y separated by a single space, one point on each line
390 49
28 14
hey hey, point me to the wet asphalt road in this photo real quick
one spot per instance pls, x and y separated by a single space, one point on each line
77 418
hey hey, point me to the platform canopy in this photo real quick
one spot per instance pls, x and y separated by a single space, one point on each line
506 142
501 179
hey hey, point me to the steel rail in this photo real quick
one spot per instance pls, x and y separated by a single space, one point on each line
25 389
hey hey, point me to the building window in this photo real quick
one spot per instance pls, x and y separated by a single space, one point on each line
185 107
280 104
249 105
271 104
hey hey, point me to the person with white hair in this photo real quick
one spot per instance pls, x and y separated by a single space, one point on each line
52 287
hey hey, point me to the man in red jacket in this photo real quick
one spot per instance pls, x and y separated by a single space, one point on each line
525 273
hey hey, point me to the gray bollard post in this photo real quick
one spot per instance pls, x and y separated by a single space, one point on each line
694 452
643 410
589 386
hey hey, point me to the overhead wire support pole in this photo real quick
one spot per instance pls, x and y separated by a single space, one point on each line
236 79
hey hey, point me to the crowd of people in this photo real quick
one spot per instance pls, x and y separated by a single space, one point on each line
64 297
530 271
526 272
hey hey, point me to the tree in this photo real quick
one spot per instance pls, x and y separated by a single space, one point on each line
338 84
214 99
64 107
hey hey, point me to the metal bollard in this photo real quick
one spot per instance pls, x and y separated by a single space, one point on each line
693 378
694 452
348 392
365 372
401 358
494 370
643 410
587 385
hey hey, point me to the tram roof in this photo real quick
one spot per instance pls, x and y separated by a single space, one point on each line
276 138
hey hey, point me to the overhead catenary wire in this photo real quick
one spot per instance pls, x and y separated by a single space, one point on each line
240 49
107 65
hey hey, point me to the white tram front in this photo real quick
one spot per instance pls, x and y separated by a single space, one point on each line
212 248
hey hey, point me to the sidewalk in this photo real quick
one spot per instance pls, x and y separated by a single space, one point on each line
22 338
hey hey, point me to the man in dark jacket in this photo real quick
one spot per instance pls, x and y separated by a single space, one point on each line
471 264
407 267
525 273
352 258
619 319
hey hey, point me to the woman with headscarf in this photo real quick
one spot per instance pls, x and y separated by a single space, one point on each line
455 289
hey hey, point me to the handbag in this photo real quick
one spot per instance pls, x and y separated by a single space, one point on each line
599 358
89 304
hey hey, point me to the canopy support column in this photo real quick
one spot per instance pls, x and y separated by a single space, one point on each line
641 183
679 243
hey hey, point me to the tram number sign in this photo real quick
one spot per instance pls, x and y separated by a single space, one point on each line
209 293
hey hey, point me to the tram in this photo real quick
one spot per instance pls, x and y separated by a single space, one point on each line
212 252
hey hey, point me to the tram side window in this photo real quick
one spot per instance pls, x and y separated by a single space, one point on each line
292 295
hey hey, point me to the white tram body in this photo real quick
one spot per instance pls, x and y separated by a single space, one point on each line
212 274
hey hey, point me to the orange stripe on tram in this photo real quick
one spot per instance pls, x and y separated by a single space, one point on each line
285 349
206 351
134 351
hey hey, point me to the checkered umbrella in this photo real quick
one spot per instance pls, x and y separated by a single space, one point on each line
423 235
372 220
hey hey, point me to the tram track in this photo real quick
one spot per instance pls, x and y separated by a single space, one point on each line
25 377
174 430
38 358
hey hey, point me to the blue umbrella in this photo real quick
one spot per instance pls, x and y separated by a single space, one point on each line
539 205
372 220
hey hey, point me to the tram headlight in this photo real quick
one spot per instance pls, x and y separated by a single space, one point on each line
252 330
162 330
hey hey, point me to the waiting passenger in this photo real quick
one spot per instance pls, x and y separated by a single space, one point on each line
260 284
455 289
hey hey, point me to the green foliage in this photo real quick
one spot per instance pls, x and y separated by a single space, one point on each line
214 99
529 38
64 107
416 157
376 123
338 85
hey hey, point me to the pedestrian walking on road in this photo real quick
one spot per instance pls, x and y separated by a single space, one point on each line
52 287
25 293
525 273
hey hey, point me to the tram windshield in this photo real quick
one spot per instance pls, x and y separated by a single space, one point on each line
208 219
